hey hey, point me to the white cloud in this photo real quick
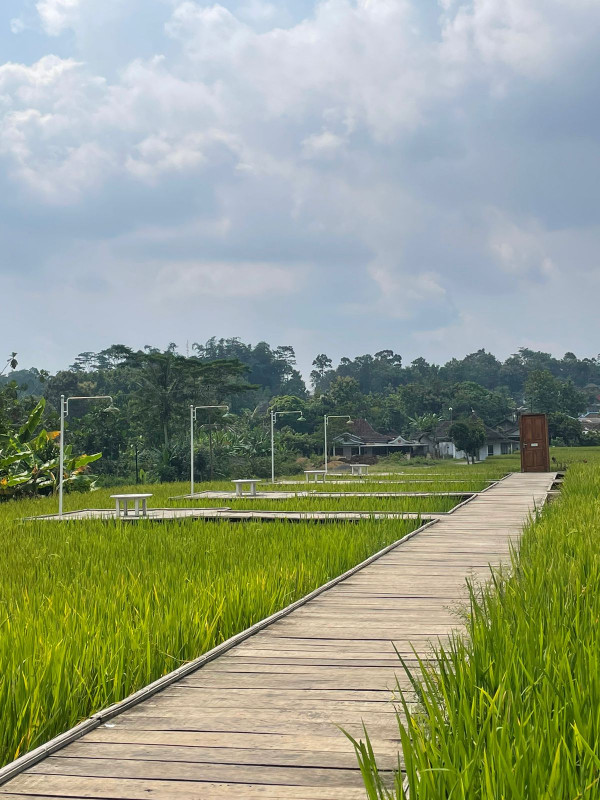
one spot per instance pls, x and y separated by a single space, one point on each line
322 145
57 15
17 25
196 280
520 251
530 37
357 141
404 295
258 11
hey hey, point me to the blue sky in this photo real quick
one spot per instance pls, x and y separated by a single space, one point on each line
342 176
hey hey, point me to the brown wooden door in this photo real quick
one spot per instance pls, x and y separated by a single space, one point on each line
535 445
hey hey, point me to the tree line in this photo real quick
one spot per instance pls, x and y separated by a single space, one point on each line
153 388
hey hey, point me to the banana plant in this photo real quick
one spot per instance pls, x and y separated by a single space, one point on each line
30 462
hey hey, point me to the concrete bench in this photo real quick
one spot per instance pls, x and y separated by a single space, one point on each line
315 474
250 482
359 469
125 499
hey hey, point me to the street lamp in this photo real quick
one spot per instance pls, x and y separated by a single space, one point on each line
193 410
450 409
274 415
64 412
326 418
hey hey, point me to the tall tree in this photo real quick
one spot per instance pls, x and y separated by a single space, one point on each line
468 435
321 370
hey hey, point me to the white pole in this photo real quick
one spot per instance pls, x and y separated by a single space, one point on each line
62 455
191 449
325 430
273 446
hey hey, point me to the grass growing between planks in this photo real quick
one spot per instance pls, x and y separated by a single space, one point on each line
92 611
512 709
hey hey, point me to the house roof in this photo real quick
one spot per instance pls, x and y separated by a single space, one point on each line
508 425
363 430
441 433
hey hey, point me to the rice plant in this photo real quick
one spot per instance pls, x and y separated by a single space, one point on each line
511 709
92 611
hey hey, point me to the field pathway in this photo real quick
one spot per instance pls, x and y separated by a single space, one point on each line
260 721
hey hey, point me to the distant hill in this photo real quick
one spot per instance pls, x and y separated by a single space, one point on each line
28 380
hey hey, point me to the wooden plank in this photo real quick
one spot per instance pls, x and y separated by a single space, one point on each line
321 758
336 742
179 770
44 787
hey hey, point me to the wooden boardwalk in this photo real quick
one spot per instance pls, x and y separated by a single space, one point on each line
312 494
260 720
225 513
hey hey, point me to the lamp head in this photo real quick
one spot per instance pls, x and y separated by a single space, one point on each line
111 409
301 418
227 415
350 422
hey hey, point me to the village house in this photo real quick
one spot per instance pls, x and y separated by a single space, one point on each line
590 422
362 440
497 442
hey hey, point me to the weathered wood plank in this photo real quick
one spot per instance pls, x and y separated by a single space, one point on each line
43 787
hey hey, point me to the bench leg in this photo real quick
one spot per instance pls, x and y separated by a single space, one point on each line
238 489
136 507
144 508
118 508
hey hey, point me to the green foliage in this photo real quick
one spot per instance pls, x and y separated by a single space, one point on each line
321 375
564 428
492 407
468 435
546 394
273 370
155 388
345 396
90 613
511 710
426 423
29 461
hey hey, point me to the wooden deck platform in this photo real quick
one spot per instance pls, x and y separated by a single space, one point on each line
293 495
260 720
171 514
362 479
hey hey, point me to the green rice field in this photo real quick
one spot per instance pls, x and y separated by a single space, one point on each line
511 709
92 611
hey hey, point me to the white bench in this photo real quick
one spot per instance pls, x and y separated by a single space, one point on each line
241 482
316 474
127 498
359 469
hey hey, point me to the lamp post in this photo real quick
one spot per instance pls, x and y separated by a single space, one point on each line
64 412
274 415
326 418
450 409
193 410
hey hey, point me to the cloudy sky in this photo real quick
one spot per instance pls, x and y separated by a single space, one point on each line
343 176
